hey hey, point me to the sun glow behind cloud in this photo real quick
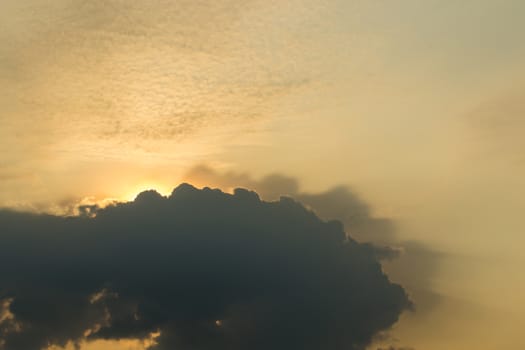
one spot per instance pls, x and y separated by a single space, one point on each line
122 344
104 99
135 190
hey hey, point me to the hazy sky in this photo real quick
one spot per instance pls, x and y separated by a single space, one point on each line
418 107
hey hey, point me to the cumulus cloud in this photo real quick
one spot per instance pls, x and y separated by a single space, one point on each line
411 263
338 203
207 269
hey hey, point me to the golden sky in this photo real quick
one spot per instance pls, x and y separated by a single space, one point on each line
418 106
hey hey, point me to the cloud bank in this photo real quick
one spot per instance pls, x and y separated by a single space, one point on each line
206 269
411 263
337 203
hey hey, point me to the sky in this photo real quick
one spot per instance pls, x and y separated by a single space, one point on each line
401 119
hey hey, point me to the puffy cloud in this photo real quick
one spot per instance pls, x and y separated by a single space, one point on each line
338 203
207 269
411 263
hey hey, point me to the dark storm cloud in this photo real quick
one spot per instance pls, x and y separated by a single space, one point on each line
209 270
412 263
339 203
